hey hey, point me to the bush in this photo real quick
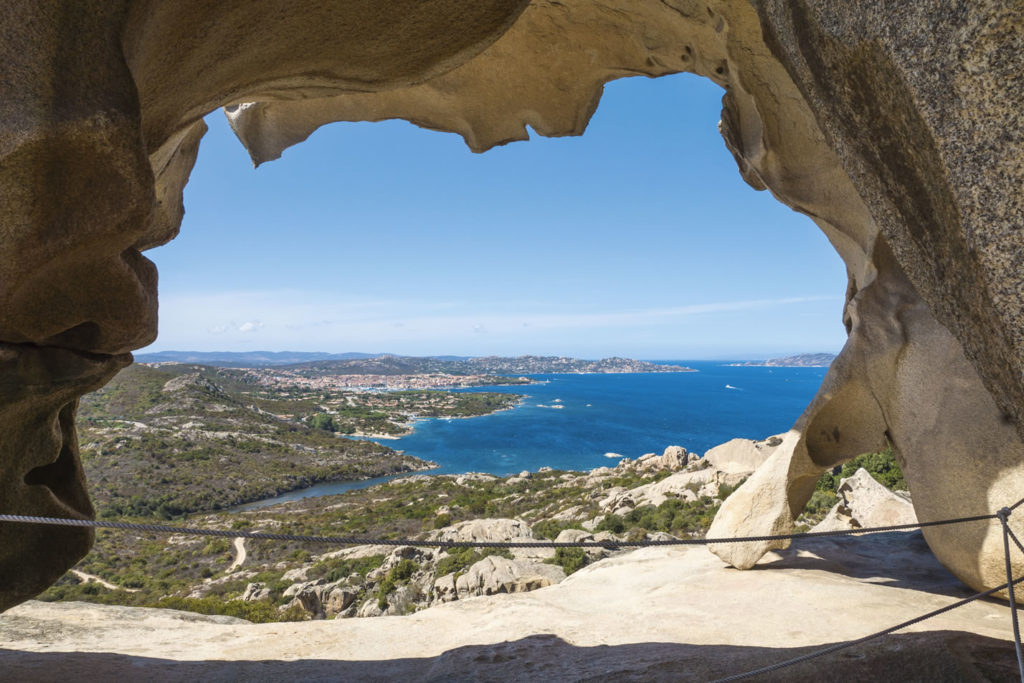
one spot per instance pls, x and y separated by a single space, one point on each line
819 505
613 523
881 465
550 528
323 421
724 490
400 573
570 559
257 612
338 568
463 558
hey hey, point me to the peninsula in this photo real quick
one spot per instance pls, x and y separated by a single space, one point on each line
803 360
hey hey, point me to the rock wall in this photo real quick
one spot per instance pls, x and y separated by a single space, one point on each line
895 126
100 120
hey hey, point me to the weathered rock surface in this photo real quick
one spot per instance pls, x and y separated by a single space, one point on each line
495 574
100 120
40 473
741 457
895 126
866 503
655 615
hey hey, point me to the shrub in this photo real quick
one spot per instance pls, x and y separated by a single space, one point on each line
257 612
400 573
570 559
881 465
463 558
613 523
725 490
819 505
338 568
550 528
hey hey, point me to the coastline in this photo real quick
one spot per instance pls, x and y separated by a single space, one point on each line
409 426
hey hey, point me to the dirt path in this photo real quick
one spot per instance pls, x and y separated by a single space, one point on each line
240 555
106 584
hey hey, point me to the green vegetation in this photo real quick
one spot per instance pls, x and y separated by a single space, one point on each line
398 575
570 559
338 568
157 569
881 465
460 559
176 439
549 528
256 612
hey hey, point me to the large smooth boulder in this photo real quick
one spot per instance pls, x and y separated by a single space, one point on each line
865 503
495 574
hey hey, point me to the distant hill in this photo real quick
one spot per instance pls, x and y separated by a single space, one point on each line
246 359
490 365
183 438
312 363
803 360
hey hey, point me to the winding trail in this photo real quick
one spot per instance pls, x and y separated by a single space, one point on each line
240 555
86 578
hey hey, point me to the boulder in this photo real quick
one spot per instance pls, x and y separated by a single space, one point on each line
485 530
444 588
496 574
866 503
739 458
370 608
256 591
338 600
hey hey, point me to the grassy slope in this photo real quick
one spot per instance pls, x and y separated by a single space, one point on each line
183 439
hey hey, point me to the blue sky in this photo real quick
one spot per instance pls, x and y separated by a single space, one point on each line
637 239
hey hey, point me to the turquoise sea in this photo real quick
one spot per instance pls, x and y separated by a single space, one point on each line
580 422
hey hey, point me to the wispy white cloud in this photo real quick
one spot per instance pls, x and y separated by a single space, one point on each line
298 319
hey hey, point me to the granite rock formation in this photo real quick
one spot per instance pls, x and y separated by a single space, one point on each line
895 126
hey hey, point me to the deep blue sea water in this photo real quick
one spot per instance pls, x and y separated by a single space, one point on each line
624 414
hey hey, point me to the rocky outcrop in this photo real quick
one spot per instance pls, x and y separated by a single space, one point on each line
657 614
895 126
866 503
494 574
741 457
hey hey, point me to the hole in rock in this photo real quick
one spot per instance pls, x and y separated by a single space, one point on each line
637 239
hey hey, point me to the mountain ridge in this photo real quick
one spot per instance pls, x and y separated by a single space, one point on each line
355 363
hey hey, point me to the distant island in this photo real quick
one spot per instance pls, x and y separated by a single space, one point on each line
803 360
316 364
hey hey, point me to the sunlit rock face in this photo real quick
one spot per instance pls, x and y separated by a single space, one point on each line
894 126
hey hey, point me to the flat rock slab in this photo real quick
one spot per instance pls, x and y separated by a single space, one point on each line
654 614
